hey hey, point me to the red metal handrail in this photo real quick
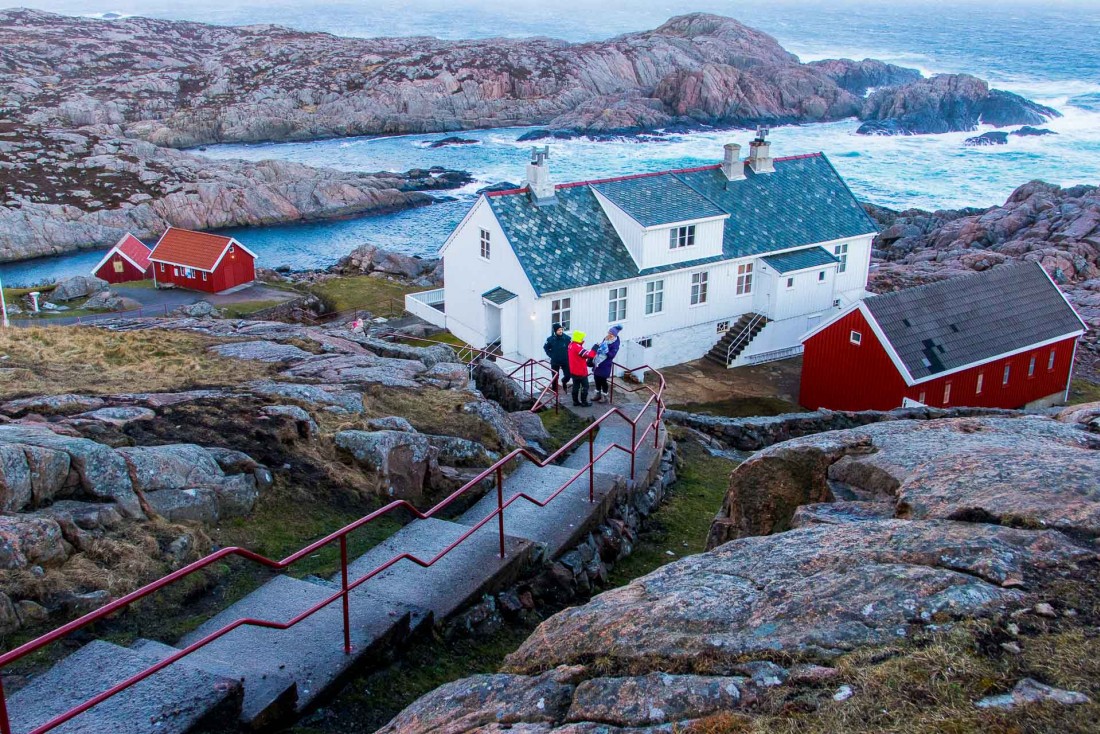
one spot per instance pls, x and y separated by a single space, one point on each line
341 536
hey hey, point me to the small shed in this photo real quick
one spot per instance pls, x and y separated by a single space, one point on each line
1002 338
201 261
127 261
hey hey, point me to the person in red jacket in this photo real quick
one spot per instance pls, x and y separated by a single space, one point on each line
578 368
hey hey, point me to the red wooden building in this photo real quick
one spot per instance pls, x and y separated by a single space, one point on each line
1003 338
201 261
126 261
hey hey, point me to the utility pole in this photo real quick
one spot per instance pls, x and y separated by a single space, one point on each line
4 305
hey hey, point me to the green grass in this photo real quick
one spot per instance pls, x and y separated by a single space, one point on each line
562 425
681 524
377 295
1083 391
247 308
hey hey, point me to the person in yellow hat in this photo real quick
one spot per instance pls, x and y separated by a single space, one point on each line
578 368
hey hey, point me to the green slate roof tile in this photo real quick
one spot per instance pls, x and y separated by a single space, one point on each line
572 244
498 295
811 257
655 200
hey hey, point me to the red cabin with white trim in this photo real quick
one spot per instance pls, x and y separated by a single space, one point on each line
127 261
1003 338
201 261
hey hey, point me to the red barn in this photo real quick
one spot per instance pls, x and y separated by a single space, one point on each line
126 261
201 261
1003 338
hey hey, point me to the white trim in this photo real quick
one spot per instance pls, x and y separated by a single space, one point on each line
800 270
1006 355
461 225
178 265
682 223
1063 295
124 255
225 249
829 322
1069 375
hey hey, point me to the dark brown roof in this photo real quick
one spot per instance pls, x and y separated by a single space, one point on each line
973 318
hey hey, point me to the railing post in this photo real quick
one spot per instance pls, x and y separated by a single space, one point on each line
657 424
633 444
5 725
611 388
591 466
344 598
500 508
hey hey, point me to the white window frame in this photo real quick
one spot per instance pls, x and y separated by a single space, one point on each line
1031 366
820 276
923 398
1050 360
699 288
744 279
855 337
485 239
616 305
560 309
790 282
204 276
189 273
1007 374
981 380
841 251
654 297
162 267
947 392
645 342
176 272
680 237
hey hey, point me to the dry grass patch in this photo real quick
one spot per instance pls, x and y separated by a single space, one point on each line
50 361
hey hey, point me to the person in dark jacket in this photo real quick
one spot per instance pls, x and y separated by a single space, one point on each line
578 368
557 351
604 362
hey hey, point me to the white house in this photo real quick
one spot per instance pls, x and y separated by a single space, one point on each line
737 260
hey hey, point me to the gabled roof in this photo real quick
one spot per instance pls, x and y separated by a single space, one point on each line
498 295
132 249
656 200
967 320
198 250
811 257
572 244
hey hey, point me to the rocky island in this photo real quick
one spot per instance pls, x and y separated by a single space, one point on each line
92 109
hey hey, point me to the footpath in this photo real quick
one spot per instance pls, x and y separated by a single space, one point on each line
261 676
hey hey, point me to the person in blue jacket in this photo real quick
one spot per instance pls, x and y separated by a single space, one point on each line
603 362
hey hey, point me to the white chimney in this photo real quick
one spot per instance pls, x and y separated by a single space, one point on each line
538 177
732 166
760 158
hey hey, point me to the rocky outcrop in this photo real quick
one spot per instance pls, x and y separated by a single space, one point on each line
946 103
372 260
88 187
1054 226
858 77
78 286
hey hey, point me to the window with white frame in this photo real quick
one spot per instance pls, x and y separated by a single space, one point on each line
790 283
559 311
188 272
821 276
946 393
681 237
645 342
654 297
698 288
616 304
744 279
1050 361
1031 367
162 267
978 387
855 337
1008 371
841 251
485 244
923 398
204 276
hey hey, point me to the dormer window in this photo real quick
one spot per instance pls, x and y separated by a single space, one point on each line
681 237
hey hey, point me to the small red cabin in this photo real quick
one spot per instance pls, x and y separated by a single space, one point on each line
201 261
126 261
1002 338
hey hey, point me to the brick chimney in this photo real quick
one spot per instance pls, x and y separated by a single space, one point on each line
538 178
733 168
760 158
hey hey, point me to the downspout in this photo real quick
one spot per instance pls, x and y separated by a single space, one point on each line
1069 378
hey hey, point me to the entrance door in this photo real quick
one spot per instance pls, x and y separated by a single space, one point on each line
492 323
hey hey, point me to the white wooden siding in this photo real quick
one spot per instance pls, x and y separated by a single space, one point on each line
708 243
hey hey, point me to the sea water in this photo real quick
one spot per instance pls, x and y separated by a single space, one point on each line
1044 50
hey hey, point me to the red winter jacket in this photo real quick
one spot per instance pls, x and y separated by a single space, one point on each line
578 359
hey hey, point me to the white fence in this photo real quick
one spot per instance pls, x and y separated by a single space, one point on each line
427 305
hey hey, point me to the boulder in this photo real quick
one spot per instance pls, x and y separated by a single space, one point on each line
9 617
27 540
494 416
391 423
120 415
15 478
199 310
261 351
1028 690
305 426
173 466
814 591
447 375
657 698
108 301
179 505
64 404
454 451
496 385
429 356
232 461
78 286
369 259
400 459
530 428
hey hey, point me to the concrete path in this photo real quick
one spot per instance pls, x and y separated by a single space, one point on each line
262 676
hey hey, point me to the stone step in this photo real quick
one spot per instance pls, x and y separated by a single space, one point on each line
171 701
616 430
562 523
311 653
472 569
270 697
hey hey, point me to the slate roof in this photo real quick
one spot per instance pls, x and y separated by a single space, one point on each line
572 244
974 318
199 250
498 295
811 257
656 200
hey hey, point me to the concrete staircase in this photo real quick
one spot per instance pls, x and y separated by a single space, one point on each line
263 676
739 336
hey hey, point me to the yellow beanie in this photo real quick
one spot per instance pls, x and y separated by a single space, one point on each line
578 336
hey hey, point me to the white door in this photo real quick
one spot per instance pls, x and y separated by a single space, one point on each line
492 323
